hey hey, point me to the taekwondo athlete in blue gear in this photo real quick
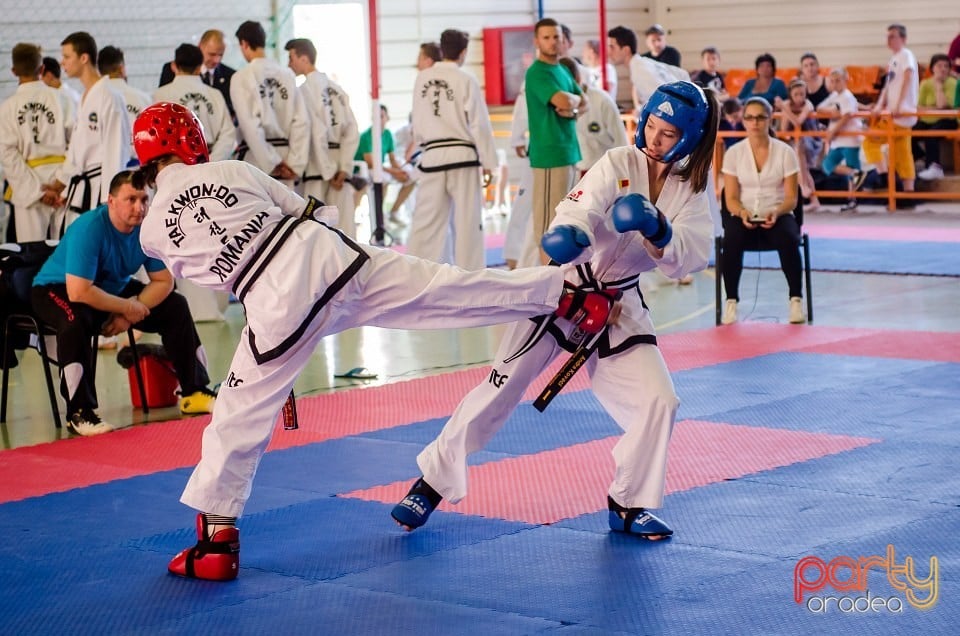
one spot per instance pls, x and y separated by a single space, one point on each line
638 208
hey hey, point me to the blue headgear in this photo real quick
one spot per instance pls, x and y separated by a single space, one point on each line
683 105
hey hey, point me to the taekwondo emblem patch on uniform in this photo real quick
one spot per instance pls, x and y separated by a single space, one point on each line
623 183
594 127
665 108
575 196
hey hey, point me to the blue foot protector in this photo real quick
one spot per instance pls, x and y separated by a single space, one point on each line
636 521
414 509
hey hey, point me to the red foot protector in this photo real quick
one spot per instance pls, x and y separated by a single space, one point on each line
215 558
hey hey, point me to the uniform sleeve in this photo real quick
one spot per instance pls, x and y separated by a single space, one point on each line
478 119
587 205
692 243
246 99
299 135
226 133
349 132
519 125
117 137
289 202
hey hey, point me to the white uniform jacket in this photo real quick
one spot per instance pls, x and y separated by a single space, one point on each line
208 104
600 128
100 146
450 120
135 100
647 74
34 131
271 117
219 235
616 260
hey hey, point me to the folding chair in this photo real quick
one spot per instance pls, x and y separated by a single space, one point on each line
760 244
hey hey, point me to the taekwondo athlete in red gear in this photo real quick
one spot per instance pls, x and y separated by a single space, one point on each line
638 208
229 226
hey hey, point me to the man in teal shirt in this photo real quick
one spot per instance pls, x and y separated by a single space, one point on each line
86 287
391 165
554 101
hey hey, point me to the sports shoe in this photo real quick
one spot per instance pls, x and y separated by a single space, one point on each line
931 173
849 206
857 179
198 402
87 423
729 312
796 311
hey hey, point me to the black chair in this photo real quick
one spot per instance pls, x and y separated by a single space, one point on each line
760 244
19 263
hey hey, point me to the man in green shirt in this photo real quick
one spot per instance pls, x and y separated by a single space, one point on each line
391 165
554 101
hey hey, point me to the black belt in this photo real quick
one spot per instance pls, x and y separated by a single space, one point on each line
448 143
276 142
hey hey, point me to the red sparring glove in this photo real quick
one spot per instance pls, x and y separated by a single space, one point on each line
215 558
589 310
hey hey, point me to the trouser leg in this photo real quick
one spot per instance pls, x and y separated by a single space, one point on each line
484 411
75 325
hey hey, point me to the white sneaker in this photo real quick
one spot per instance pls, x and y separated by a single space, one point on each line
729 312
87 423
932 173
796 311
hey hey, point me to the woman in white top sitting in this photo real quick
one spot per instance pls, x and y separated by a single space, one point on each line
760 190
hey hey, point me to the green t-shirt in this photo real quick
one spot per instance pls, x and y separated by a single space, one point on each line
928 97
553 139
366 143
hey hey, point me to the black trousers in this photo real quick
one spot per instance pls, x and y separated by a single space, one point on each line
928 148
77 323
784 237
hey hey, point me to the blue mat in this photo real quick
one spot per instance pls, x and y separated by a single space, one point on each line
92 560
875 257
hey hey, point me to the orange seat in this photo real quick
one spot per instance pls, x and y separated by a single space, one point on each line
860 80
735 78
787 74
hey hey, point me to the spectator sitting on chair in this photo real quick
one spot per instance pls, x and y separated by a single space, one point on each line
939 92
766 84
86 287
732 120
760 202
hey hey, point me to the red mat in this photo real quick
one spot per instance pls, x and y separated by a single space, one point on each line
63 465
567 482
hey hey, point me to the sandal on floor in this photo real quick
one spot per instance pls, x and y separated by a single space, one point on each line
358 373
414 509
636 521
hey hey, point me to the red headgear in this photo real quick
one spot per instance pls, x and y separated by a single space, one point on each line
169 129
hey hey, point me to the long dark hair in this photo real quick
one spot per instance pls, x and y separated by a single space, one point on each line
696 169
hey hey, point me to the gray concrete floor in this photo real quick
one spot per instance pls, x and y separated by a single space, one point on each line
928 303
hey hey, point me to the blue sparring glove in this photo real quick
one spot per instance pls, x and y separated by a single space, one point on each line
635 212
565 243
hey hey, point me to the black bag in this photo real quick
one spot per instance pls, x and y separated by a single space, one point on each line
19 264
